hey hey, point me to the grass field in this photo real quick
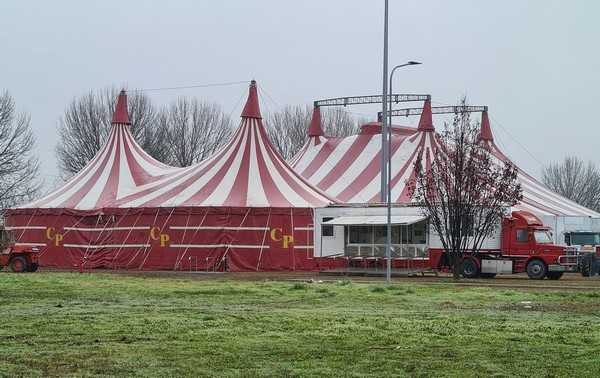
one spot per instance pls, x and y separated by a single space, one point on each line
118 325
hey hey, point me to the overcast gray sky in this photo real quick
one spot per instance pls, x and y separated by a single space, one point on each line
535 63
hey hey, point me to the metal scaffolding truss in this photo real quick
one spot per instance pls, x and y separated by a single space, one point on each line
374 99
436 110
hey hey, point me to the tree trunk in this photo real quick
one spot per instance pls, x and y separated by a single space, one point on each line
456 264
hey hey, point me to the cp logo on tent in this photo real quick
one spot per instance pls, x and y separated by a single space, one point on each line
277 235
155 234
51 234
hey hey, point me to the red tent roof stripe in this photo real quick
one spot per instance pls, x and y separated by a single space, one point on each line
323 153
251 109
426 120
485 132
240 193
272 193
74 200
359 144
120 115
110 188
368 174
43 202
296 182
315 129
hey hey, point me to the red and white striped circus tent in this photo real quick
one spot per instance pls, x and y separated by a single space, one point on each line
242 209
117 170
536 197
349 168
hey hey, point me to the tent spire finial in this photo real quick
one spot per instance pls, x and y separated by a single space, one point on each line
251 109
426 120
485 133
315 129
120 116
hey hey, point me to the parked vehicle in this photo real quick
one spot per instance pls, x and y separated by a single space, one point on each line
587 246
18 258
525 246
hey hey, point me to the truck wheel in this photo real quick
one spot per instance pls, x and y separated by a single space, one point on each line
33 267
487 275
18 264
554 275
585 266
470 269
536 270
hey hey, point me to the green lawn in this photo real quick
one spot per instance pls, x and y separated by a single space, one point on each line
118 325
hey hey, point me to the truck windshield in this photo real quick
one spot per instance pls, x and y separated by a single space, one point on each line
542 237
585 238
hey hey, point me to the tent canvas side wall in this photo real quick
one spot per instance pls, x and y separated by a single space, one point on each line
243 208
194 238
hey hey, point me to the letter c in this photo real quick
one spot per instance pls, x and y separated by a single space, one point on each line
274 234
154 233
50 233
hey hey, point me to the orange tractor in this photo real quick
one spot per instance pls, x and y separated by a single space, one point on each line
18 258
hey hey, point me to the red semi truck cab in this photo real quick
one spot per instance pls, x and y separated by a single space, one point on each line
525 245
529 244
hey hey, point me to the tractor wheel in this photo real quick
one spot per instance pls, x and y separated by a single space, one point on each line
18 264
470 269
33 267
487 275
536 269
554 275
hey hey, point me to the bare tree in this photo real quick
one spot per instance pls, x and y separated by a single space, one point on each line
19 169
575 180
195 130
287 129
465 192
338 122
86 124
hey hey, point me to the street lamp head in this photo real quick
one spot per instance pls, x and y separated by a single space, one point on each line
412 63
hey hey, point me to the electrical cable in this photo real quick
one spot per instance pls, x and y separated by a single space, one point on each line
224 84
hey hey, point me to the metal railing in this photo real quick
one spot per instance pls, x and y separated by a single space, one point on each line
402 251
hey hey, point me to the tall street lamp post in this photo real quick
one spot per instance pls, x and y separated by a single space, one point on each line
388 131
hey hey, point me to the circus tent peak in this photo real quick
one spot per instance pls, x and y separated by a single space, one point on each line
252 109
315 129
426 120
246 172
485 132
120 115
118 169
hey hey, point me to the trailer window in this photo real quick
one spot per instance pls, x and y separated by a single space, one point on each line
542 237
361 235
327 229
522 235
585 239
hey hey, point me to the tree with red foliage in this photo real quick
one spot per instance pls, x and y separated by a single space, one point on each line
465 192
